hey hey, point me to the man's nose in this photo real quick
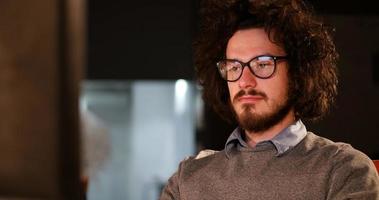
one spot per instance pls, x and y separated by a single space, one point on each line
248 79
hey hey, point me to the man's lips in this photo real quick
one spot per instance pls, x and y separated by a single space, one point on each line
249 98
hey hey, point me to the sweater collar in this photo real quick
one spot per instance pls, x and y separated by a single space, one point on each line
285 140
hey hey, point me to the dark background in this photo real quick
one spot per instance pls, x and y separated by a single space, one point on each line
152 40
130 39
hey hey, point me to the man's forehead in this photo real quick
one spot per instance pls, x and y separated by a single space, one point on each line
252 42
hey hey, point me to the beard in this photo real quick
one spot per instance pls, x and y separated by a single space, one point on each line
254 122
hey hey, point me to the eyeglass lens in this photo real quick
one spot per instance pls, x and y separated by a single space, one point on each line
262 67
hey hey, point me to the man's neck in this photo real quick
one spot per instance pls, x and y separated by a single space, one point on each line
252 138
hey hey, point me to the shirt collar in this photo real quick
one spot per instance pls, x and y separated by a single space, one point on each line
285 140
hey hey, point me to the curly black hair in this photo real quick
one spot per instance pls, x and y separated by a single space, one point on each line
291 24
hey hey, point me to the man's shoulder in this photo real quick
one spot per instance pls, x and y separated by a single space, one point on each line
335 151
316 142
203 155
351 171
203 161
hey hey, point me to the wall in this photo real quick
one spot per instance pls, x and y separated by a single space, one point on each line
151 129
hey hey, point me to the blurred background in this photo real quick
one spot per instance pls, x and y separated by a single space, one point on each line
99 99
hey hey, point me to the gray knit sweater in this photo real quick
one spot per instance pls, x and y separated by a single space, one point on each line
316 168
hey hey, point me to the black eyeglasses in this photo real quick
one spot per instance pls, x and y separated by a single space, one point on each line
262 67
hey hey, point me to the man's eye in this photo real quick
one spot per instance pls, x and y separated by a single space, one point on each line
233 68
264 65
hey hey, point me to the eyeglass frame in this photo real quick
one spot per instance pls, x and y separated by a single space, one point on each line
247 64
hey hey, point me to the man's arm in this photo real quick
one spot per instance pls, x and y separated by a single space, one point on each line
171 190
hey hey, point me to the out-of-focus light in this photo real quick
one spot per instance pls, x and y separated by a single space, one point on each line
181 88
83 104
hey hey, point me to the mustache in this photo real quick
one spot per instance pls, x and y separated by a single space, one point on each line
249 92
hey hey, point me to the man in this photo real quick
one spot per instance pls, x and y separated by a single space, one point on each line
276 65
